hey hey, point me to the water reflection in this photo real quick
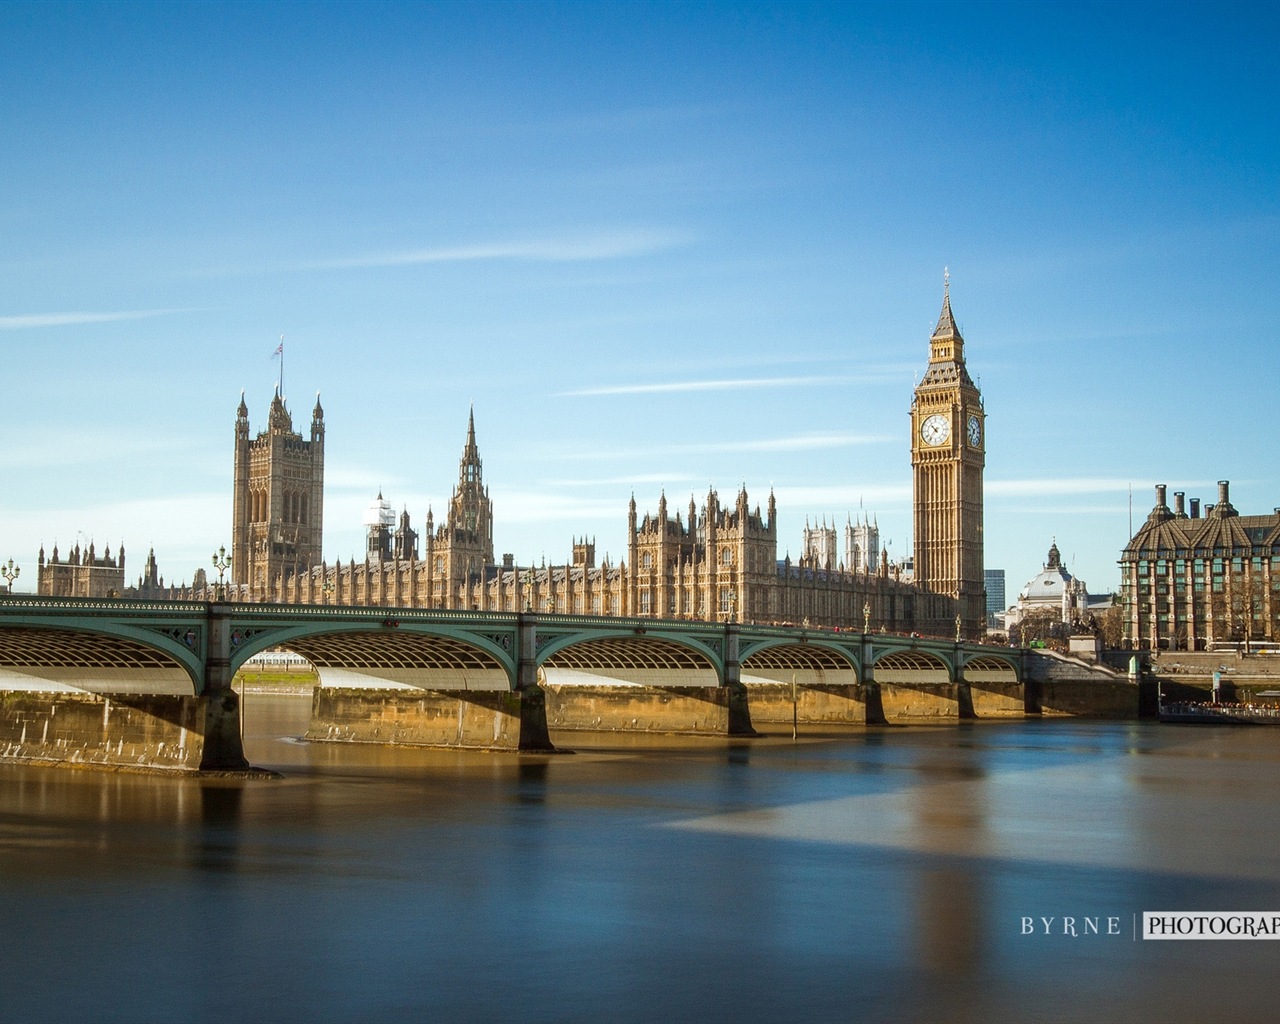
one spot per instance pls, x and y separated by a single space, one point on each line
875 874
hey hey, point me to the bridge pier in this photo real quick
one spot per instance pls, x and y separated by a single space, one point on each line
737 704
223 742
534 734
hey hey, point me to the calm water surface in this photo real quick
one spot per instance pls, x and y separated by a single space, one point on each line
877 875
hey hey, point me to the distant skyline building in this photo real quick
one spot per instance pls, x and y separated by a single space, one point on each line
1057 595
993 579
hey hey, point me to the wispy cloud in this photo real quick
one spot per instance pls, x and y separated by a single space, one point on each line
541 507
566 249
679 477
798 443
731 384
64 447
846 497
1054 486
26 320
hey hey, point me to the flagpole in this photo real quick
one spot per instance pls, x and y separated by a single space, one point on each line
281 385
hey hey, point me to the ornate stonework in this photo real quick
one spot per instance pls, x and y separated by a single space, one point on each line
278 501
948 453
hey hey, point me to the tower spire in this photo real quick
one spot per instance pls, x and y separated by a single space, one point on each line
471 451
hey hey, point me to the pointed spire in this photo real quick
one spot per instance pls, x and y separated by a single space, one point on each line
471 430
946 321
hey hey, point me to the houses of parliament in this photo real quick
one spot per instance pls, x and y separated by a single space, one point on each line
714 561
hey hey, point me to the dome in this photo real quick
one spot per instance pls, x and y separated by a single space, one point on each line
1048 585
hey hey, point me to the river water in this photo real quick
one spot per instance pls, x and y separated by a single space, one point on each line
875 875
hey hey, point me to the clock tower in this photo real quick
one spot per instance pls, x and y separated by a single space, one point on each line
948 452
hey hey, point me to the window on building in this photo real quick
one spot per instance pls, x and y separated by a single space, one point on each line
646 600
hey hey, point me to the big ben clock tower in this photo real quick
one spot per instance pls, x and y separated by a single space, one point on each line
948 452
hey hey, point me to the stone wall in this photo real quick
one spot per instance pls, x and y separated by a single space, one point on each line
1188 675
819 704
698 710
114 730
1059 685
484 719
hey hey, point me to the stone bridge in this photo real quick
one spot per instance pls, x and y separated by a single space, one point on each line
494 680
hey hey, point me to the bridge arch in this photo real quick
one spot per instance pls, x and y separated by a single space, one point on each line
809 664
628 658
986 668
911 667
377 655
118 658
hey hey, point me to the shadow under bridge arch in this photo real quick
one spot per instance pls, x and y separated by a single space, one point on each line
53 660
628 660
402 659
809 665
911 668
985 670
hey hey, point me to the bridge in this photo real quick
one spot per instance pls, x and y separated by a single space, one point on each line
93 677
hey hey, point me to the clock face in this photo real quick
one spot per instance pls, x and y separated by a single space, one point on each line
935 430
975 431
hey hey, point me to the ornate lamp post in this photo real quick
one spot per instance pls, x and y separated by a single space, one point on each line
222 563
326 589
10 572
528 596
866 616
958 635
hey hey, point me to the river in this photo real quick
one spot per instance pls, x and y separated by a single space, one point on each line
884 874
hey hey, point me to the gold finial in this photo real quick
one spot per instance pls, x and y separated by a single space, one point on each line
946 281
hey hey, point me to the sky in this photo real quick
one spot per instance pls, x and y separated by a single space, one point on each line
655 246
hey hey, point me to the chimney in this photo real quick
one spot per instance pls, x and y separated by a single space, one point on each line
1160 492
1195 508
1178 509
1223 487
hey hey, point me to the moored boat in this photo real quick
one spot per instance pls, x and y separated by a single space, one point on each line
1201 713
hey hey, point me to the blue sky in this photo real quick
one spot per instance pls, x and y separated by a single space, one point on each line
656 245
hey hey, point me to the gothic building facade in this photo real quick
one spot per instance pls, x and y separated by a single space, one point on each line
714 561
81 574
1193 582
278 497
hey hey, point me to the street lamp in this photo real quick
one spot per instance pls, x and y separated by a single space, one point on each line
957 629
10 572
222 563
866 617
